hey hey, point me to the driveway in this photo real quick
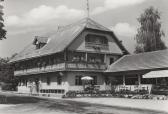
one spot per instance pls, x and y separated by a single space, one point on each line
14 104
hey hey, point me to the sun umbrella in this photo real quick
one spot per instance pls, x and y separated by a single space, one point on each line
86 78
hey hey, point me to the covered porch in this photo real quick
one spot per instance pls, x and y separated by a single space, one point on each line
129 82
137 81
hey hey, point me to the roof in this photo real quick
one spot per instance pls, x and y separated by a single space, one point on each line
58 41
156 74
142 61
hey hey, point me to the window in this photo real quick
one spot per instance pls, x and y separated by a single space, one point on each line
97 39
131 79
59 80
94 81
24 82
48 81
78 80
111 60
148 80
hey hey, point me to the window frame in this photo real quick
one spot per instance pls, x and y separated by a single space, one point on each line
78 80
48 80
96 39
59 80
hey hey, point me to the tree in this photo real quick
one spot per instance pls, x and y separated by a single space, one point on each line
7 74
149 34
2 30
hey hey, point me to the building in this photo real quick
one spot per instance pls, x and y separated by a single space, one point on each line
55 64
141 71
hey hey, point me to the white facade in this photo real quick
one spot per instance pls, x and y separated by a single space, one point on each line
67 82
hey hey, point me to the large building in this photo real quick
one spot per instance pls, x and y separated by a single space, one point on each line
56 64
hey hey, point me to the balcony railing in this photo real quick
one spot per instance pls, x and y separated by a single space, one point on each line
99 45
63 66
85 66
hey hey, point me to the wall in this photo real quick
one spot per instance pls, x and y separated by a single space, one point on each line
79 43
68 81
115 57
71 80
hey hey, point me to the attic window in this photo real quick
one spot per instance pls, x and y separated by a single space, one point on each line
39 41
96 39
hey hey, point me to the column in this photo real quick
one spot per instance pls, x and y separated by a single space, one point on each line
86 56
156 81
124 80
105 58
65 55
139 79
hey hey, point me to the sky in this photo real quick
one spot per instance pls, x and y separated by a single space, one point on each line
25 19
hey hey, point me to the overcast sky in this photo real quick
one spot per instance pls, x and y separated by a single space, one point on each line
26 18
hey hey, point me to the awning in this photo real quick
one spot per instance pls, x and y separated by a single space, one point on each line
86 78
156 74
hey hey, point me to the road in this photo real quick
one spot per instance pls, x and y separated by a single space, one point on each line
13 104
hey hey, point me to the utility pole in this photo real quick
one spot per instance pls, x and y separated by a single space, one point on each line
88 12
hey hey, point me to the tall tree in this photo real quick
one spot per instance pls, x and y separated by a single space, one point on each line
149 34
2 30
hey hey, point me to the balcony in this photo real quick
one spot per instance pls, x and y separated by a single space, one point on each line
65 66
85 66
96 45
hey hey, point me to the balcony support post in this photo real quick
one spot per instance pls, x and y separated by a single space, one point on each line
86 56
105 58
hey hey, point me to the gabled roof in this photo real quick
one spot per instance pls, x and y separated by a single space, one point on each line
40 39
61 39
142 61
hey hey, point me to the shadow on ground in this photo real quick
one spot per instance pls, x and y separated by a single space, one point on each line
13 99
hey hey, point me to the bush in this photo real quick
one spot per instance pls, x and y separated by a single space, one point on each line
70 94
8 86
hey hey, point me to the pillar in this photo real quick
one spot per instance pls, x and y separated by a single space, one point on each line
65 55
139 79
105 58
156 81
124 80
86 56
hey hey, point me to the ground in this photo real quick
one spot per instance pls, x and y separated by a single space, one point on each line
19 104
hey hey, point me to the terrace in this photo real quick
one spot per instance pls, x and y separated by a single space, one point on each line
60 62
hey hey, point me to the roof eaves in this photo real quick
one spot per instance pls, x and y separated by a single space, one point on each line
120 44
74 39
108 70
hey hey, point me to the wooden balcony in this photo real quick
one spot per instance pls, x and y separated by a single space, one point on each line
65 66
85 66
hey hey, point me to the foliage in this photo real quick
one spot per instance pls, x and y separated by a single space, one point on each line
7 74
149 34
2 30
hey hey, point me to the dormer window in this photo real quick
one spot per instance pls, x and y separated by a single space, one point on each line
39 41
96 39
